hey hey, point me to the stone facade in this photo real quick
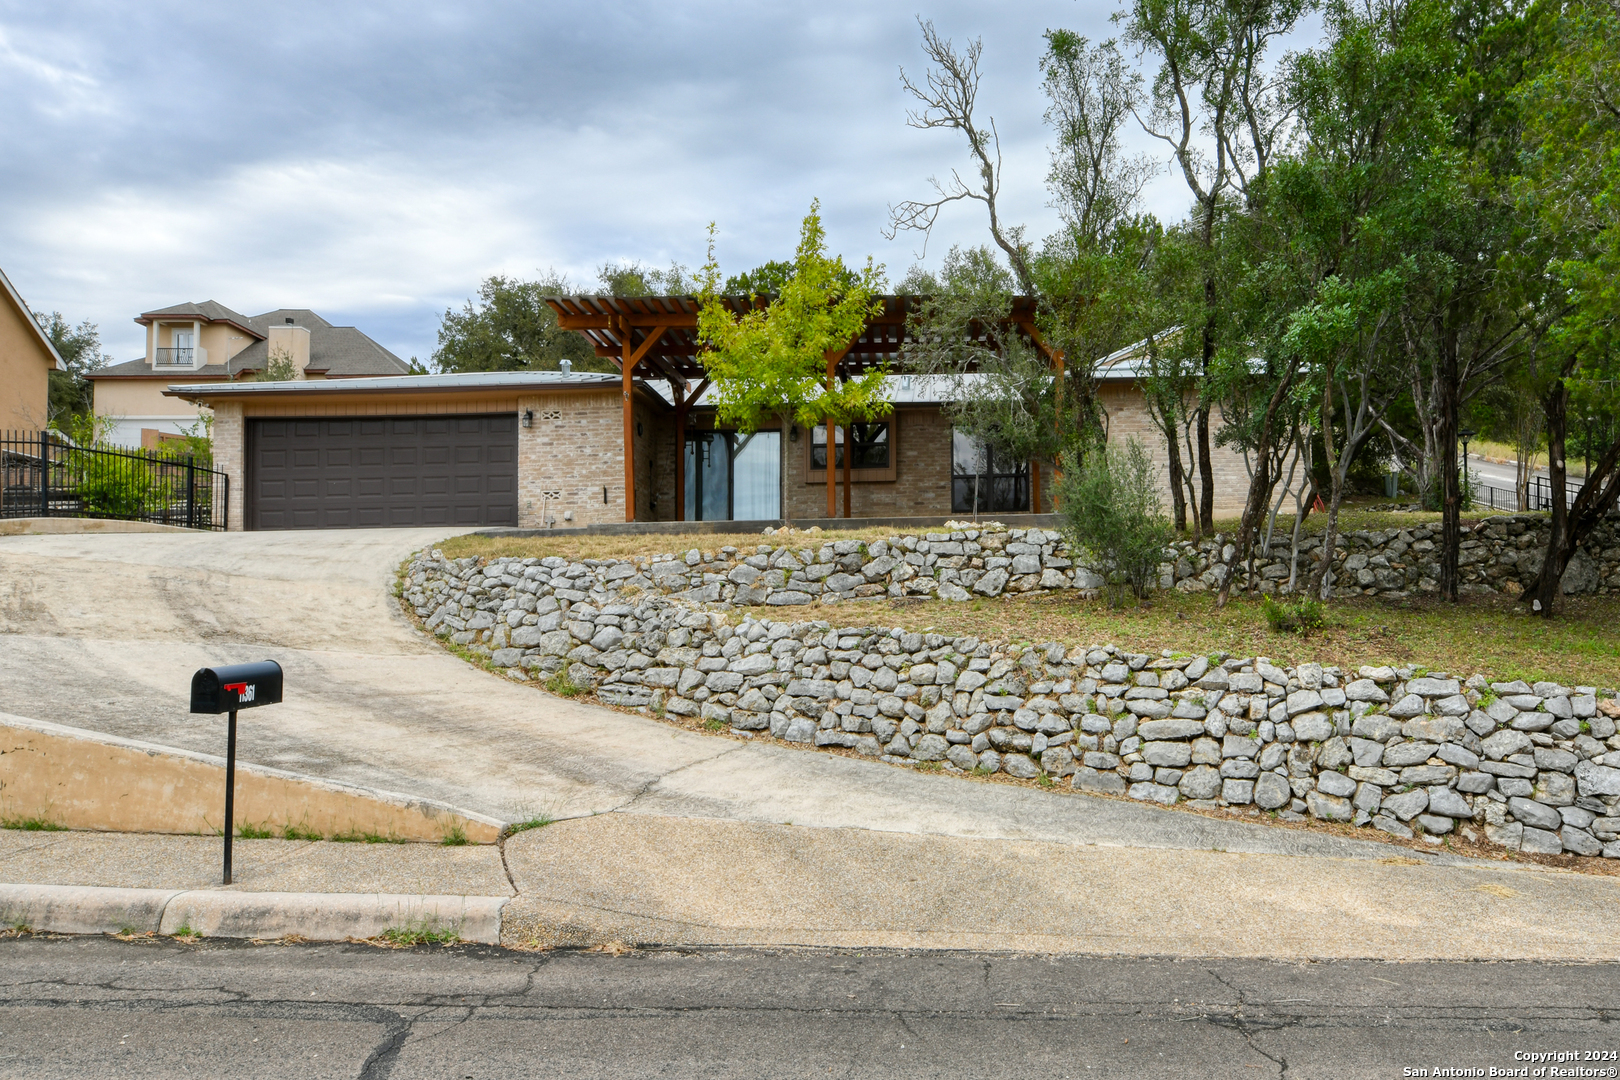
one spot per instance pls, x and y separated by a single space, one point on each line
1408 752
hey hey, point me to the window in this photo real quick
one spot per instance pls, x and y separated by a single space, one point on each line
984 482
870 445
732 477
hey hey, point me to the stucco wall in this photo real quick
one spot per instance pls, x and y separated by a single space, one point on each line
24 372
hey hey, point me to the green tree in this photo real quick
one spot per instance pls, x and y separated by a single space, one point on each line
1111 508
777 360
512 328
80 349
631 278
278 367
1570 188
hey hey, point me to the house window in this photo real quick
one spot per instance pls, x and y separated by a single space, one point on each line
870 445
869 442
983 481
733 477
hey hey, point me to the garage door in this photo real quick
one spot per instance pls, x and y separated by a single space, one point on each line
384 471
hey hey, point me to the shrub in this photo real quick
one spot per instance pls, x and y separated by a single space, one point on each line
1302 617
1112 509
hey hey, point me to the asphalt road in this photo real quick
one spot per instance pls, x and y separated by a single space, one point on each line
96 1007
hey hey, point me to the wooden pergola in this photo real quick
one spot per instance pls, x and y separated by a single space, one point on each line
655 338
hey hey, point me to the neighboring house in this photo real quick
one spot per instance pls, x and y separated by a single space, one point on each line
538 449
27 358
210 343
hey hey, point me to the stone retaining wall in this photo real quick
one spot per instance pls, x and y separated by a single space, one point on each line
1498 555
1537 767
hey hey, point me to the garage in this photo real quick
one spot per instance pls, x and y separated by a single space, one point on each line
382 472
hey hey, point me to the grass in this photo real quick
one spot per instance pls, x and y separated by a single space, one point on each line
296 832
619 547
31 824
365 838
186 934
428 933
561 685
248 831
539 821
1491 635
455 836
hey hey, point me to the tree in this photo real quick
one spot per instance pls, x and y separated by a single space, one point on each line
278 367
1111 508
1211 82
79 347
778 360
1571 188
631 278
512 328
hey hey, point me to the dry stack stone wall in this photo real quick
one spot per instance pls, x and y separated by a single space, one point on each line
1537 768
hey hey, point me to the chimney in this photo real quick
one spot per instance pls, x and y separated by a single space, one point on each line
566 365
292 341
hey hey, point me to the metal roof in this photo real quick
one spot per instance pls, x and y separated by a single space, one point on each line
465 381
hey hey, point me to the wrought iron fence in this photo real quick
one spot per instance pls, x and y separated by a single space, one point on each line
43 474
1538 495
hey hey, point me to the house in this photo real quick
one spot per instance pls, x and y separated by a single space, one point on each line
202 343
539 449
27 358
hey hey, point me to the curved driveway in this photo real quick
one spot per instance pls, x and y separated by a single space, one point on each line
104 632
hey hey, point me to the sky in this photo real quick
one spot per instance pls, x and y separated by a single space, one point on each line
376 162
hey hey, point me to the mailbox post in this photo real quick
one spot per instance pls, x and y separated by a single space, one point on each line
227 690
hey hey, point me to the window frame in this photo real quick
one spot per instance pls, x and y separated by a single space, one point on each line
814 474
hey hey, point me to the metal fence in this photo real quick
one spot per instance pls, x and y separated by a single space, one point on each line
1539 495
44 475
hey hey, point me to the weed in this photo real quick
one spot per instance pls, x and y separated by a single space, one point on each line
455 836
31 824
561 685
539 821
186 934
1045 781
249 831
294 832
714 724
366 838
424 933
1303 616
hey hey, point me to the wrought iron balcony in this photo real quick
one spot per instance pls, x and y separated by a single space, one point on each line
185 357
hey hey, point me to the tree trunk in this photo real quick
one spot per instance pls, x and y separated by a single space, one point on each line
1446 435
1260 485
1177 501
1206 472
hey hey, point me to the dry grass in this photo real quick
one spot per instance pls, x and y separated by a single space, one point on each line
1485 634
578 546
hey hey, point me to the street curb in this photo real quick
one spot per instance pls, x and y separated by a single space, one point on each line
87 909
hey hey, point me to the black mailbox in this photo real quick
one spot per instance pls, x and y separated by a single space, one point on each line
235 686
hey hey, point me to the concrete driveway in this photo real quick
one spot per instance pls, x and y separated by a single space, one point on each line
104 632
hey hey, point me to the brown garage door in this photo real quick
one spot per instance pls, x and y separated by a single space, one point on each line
383 471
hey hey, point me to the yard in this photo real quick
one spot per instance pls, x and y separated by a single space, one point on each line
1491 635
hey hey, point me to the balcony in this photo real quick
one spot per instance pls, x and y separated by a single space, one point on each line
187 358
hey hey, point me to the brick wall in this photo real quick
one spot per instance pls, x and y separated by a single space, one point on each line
230 458
921 486
572 452
1128 417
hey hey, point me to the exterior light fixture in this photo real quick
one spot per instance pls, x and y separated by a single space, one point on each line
528 418
793 433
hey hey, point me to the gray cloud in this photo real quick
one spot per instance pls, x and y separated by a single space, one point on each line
375 163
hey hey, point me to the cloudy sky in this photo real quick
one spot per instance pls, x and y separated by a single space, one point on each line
376 162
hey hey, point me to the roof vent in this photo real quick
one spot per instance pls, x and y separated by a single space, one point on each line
289 320
566 365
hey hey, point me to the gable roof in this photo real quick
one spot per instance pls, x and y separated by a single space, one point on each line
204 311
33 323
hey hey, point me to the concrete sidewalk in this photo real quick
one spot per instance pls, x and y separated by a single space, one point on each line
651 880
93 883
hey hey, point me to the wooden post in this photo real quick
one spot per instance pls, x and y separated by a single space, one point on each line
1034 486
832 450
848 446
680 449
627 370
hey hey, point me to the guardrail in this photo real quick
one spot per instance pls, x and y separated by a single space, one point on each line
43 474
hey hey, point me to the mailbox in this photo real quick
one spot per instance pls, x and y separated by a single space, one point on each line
235 686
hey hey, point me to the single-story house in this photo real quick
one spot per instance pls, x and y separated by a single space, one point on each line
27 358
538 449
207 342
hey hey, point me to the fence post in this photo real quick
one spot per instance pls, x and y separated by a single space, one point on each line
191 491
44 474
